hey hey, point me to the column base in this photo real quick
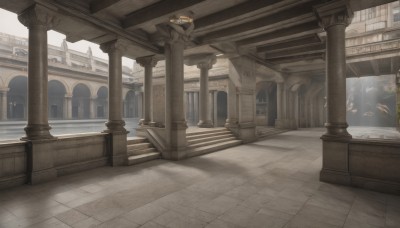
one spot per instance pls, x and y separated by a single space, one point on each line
335 162
336 131
205 124
231 123
156 124
37 132
117 146
115 126
143 122
179 125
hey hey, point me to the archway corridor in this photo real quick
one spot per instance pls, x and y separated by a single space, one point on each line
268 183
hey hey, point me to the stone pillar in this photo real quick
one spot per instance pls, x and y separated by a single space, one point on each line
279 104
214 107
148 63
195 107
39 145
334 17
93 107
38 21
3 104
204 63
232 120
67 107
175 37
115 124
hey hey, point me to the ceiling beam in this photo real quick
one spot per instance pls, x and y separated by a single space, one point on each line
99 5
357 5
308 49
159 9
305 40
296 58
233 12
285 33
291 15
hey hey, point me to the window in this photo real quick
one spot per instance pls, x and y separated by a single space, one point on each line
396 14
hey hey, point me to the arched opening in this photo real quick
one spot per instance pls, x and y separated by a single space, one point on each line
101 103
222 108
56 96
17 98
129 104
81 102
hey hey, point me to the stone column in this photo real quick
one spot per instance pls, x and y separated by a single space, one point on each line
279 104
175 37
38 21
196 107
232 120
334 17
148 63
204 63
3 106
68 107
40 143
93 107
115 124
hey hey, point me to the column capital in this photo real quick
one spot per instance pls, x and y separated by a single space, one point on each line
334 13
37 15
174 33
147 61
114 45
202 61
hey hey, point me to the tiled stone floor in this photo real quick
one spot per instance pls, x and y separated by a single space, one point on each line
269 183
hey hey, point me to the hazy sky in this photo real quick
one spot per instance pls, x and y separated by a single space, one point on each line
9 24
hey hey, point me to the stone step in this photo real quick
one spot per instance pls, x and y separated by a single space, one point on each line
211 142
211 148
142 151
136 159
266 133
209 138
205 135
139 146
135 140
212 130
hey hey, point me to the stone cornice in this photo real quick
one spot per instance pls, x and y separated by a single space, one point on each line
38 15
334 13
147 61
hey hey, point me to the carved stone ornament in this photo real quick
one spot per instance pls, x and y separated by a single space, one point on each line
175 33
115 45
147 61
334 13
38 15
201 60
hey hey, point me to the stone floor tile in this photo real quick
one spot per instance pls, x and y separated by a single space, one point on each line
330 202
285 205
238 215
71 216
274 213
351 223
392 216
256 201
152 225
50 223
303 222
193 213
261 220
366 218
87 223
118 223
242 192
145 213
176 220
92 188
221 224
322 215
219 205
67 196
293 194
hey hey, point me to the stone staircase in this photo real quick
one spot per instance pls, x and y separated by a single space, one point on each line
140 150
207 141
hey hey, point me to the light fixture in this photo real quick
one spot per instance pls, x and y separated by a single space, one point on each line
180 20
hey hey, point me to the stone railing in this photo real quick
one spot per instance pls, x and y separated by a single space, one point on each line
371 48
